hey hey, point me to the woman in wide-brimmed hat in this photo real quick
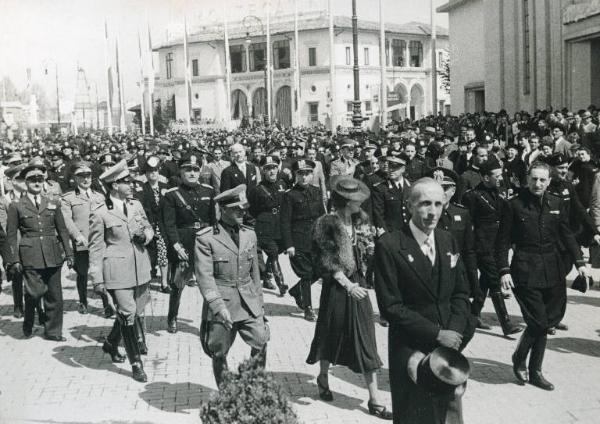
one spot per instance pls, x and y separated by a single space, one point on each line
345 330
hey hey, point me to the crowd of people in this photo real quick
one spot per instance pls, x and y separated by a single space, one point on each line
424 213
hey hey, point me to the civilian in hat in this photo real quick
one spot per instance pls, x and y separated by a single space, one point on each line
120 264
535 223
229 308
345 330
345 165
40 252
301 207
265 206
59 171
240 171
186 209
561 145
318 173
151 195
485 203
584 171
389 206
218 164
415 167
75 206
422 292
514 169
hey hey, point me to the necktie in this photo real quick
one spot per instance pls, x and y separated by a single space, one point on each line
87 193
429 251
37 202
125 208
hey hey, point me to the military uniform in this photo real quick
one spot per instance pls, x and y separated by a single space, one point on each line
185 211
300 209
389 205
415 169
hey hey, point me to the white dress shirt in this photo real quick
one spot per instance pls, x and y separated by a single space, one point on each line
426 242
117 203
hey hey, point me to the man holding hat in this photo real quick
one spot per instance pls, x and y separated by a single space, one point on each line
75 206
120 264
186 209
39 253
389 206
302 205
226 268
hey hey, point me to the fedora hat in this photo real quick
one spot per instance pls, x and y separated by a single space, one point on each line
442 371
351 189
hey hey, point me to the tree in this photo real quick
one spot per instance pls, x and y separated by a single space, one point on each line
445 75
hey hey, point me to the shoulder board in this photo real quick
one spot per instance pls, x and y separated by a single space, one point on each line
288 190
171 189
468 191
378 183
204 231
207 186
96 206
139 188
246 227
68 193
458 205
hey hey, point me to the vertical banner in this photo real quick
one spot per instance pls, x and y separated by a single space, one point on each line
227 70
142 87
151 84
109 81
120 88
186 70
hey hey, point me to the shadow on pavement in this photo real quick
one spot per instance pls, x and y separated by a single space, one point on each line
575 345
175 397
157 326
85 357
12 328
90 333
279 310
345 374
584 300
491 372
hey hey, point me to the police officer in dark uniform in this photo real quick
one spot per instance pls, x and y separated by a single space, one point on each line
456 219
485 204
186 209
302 205
536 223
265 206
389 206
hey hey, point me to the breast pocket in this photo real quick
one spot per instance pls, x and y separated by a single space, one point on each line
221 266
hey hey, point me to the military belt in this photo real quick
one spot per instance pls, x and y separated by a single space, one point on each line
535 249
233 283
195 226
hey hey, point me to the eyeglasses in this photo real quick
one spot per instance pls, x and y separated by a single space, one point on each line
35 179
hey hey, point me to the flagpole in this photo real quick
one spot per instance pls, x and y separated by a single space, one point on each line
433 63
109 79
186 76
142 112
227 71
297 96
269 75
332 90
120 87
151 85
382 62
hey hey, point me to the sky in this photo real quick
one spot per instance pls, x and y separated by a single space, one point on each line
62 34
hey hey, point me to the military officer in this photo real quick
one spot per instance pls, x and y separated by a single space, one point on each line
226 267
535 223
120 264
301 207
186 209
485 203
75 206
346 164
40 253
389 203
265 206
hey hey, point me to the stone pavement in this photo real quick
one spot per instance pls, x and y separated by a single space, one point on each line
74 382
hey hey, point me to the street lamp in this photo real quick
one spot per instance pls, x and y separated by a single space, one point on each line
57 91
356 115
248 40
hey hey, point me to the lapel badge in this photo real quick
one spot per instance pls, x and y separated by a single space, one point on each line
410 258
453 259
457 217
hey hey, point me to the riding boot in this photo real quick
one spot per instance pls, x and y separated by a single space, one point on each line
520 356
536 359
219 366
174 300
111 344
133 353
141 334
500 308
109 311
283 288
261 355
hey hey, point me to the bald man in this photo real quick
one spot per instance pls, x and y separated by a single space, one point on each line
422 293
240 171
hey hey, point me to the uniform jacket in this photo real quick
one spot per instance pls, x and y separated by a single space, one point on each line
232 177
75 207
319 177
485 207
228 276
265 206
537 228
389 207
146 198
415 169
115 259
470 179
44 241
341 167
170 171
182 221
300 209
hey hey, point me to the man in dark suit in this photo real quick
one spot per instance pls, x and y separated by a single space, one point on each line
422 292
40 253
240 171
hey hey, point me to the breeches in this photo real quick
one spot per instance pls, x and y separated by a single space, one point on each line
542 308
217 339
130 302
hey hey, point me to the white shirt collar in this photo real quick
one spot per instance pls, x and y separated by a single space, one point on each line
32 197
117 203
420 236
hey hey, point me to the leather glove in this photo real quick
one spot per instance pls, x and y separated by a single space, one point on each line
139 238
16 268
70 262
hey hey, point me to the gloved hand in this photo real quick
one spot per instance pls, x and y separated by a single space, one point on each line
70 262
16 268
139 238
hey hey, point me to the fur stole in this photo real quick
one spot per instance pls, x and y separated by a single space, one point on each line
333 245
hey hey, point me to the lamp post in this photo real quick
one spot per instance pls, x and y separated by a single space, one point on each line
245 22
57 90
356 115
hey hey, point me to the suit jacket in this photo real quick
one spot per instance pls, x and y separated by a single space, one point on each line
228 275
115 259
232 177
44 238
75 207
152 209
319 178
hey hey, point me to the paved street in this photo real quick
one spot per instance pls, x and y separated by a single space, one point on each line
74 382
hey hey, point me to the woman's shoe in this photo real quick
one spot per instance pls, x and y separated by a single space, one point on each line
380 411
324 392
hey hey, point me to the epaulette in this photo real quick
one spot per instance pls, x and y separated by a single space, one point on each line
378 183
171 189
139 188
247 227
289 189
64 195
95 206
203 231
207 186
458 205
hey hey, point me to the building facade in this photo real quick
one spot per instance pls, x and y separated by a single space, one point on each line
407 72
524 54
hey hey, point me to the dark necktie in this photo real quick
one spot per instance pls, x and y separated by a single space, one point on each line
125 207
37 202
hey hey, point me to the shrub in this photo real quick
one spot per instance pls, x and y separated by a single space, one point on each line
250 396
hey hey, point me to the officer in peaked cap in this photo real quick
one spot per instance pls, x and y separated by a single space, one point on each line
301 207
233 298
389 196
186 209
